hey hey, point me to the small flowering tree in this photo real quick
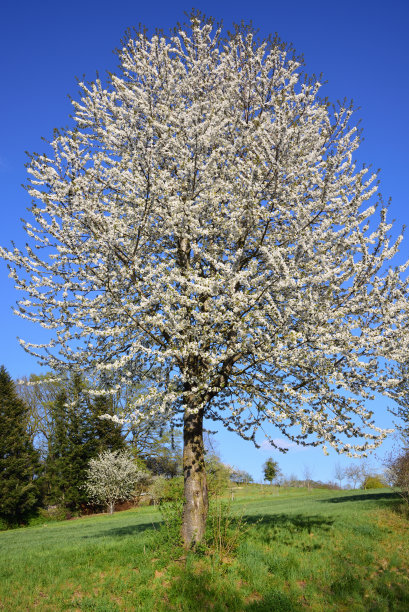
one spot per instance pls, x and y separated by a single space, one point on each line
204 229
113 477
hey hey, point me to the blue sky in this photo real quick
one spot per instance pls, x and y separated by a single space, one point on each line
361 48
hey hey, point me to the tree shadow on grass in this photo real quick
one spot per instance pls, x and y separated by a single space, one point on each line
128 530
289 529
199 589
293 522
377 498
297 522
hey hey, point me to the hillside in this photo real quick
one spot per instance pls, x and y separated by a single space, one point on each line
299 550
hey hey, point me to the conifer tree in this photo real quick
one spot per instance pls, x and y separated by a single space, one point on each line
58 446
71 447
78 435
19 461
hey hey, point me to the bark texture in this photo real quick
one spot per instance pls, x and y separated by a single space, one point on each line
196 498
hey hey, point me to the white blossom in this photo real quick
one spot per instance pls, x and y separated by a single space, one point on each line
204 227
113 477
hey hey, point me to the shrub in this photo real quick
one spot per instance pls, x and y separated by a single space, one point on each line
54 513
225 531
166 489
374 482
398 471
218 475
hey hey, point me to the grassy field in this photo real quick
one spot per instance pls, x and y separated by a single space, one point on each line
318 550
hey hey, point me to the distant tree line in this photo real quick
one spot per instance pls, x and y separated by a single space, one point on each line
49 433
52 433
55 450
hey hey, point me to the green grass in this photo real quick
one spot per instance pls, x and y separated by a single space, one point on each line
318 550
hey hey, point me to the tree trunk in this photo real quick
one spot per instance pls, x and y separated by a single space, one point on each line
196 499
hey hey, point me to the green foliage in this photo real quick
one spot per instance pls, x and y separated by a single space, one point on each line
69 451
170 532
398 469
225 530
218 475
19 461
52 513
271 470
77 435
167 489
161 450
373 482
107 434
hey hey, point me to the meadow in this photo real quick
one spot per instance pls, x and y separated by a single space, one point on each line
298 550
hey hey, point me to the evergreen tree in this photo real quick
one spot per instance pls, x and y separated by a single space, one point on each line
58 450
71 446
78 435
19 461
163 455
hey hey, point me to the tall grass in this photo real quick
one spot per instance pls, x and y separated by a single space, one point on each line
326 550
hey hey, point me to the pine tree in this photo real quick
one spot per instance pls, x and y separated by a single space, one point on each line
78 435
72 445
58 448
19 461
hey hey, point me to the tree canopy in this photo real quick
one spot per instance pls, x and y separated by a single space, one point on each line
204 227
271 470
112 477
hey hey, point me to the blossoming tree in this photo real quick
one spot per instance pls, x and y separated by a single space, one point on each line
204 227
113 477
